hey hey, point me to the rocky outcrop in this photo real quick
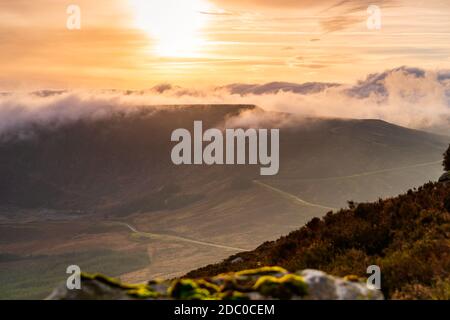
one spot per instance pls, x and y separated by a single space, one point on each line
255 284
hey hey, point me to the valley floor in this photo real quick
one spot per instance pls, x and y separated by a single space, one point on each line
37 246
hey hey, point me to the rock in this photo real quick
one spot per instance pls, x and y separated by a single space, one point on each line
93 287
323 286
237 260
254 284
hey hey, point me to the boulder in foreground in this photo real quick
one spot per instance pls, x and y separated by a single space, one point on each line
255 284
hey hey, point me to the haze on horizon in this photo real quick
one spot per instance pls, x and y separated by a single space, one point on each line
135 44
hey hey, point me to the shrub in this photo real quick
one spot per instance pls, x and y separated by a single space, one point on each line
405 236
446 162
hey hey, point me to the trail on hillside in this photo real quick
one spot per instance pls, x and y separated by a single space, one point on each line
178 238
291 196
362 174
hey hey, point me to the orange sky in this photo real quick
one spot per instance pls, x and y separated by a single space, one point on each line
136 44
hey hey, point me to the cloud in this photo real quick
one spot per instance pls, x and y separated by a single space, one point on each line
405 96
376 83
346 13
338 23
325 5
275 87
333 15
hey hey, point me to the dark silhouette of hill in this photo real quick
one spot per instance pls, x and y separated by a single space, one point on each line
89 163
121 164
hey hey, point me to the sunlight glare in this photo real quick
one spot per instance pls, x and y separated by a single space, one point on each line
174 24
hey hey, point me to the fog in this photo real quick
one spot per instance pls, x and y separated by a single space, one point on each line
409 97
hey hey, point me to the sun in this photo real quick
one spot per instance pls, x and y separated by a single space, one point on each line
175 25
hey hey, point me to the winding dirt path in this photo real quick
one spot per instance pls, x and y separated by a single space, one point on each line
291 196
178 238
362 174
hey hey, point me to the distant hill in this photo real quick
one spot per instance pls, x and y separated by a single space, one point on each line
118 163
275 87
121 164
407 236
106 192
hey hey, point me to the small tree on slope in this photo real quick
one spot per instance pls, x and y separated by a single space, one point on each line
446 162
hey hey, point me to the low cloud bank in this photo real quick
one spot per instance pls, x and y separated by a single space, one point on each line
409 97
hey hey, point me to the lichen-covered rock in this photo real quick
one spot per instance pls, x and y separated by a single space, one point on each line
254 284
100 287
323 286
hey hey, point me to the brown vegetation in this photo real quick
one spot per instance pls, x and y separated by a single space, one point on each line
446 162
407 236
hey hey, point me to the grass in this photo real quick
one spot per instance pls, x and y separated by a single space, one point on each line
408 237
36 277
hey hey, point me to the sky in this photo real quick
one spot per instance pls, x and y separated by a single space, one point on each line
136 44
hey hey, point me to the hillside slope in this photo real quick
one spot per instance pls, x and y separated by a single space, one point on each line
64 189
121 164
407 236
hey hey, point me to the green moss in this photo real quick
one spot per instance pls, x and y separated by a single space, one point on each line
112 282
261 271
187 289
352 278
143 292
140 291
281 288
272 282
233 295
211 287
